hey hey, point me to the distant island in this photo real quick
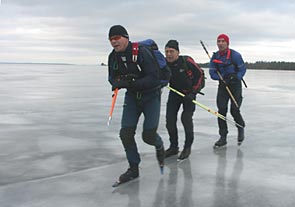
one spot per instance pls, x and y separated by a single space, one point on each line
273 65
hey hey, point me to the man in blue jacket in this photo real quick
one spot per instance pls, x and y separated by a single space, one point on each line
143 96
227 67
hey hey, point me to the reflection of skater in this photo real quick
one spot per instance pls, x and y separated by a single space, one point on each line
235 177
159 194
219 193
226 192
167 195
171 196
186 197
132 191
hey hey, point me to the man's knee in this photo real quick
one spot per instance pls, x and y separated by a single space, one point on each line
222 111
127 136
149 136
186 117
234 111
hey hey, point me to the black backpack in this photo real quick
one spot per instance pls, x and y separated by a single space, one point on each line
202 73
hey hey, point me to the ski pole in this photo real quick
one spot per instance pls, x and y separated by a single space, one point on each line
114 97
221 78
207 108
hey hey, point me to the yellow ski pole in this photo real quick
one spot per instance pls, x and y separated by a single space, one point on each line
207 108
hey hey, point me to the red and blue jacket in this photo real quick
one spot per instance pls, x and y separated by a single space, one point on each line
227 63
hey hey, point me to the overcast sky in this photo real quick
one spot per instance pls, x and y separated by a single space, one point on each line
76 31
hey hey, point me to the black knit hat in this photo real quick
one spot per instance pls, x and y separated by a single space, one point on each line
118 30
172 44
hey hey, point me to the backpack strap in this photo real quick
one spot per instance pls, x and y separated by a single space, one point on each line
185 63
229 57
229 54
236 67
135 49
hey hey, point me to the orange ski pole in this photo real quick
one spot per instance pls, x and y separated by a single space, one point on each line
114 97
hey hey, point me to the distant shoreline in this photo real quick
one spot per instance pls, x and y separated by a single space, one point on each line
11 63
264 65
284 66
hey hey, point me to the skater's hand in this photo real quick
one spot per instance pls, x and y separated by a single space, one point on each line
190 97
120 84
231 79
125 81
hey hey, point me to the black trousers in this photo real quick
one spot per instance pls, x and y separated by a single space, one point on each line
173 106
223 98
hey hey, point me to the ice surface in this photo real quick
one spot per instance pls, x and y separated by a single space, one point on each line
57 150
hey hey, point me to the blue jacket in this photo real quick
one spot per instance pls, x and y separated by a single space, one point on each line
227 64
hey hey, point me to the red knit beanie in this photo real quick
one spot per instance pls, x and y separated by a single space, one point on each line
225 37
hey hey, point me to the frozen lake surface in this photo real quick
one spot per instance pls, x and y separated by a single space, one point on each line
57 150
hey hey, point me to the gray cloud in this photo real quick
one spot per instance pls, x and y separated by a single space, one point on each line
76 31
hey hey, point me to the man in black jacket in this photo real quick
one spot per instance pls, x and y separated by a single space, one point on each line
143 96
186 78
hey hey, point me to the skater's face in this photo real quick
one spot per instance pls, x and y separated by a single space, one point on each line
171 54
119 43
222 44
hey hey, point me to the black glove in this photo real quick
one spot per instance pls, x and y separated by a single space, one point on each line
124 81
120 84
223 82
231 78
190 97
129 77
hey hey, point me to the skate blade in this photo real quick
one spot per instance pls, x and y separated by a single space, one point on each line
219 147
181 160
116 184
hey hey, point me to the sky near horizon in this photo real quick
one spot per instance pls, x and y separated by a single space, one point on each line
76 31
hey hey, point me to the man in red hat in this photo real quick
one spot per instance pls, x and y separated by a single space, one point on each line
227 67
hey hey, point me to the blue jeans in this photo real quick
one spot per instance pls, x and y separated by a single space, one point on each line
135 104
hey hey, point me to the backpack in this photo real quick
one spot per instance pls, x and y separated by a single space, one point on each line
164 70
202 74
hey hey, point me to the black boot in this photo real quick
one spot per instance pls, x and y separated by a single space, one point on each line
220 143
130 174
241 135
160 152
185 153
171 151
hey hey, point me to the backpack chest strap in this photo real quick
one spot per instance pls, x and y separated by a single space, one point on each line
135 50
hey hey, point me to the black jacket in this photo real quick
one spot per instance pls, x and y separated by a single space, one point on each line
185 79
146 74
